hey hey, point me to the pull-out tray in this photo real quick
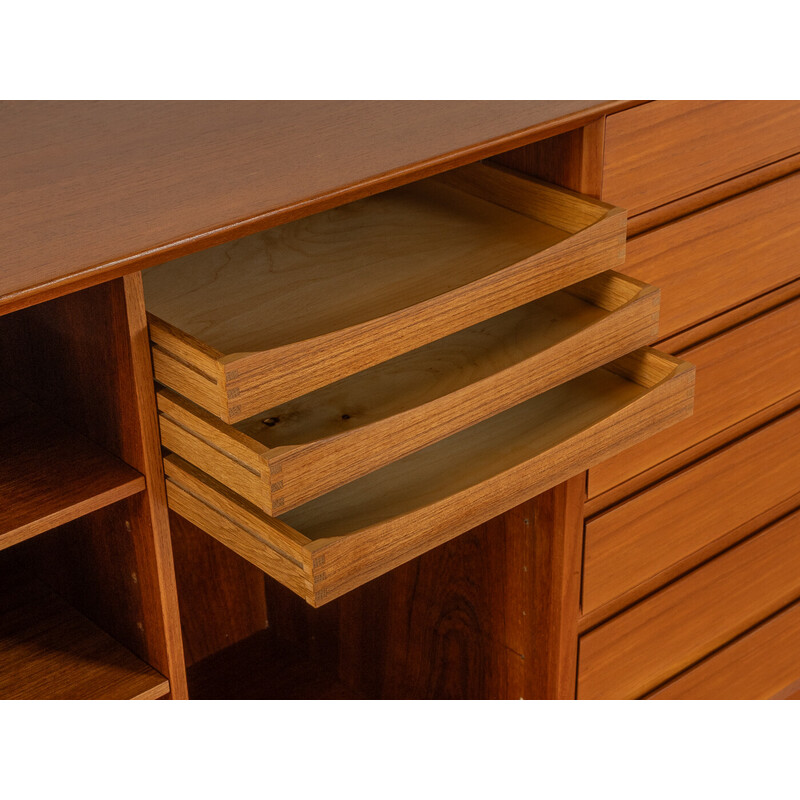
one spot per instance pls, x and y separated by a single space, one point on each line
256 322
295 452
349 536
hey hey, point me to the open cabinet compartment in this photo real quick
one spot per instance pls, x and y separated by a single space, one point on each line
84 551
50 651
50 474
349 536
292 453
251 324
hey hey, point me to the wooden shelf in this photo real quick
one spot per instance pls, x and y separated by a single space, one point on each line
347 537
251 324
50 651
343 431
50 475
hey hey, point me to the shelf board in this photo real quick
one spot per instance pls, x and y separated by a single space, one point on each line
50 651
50 475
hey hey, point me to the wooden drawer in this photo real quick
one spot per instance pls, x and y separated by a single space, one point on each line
292 453
251 324
355 533
638 650
722 256
761 665
636 540
739 373
660 151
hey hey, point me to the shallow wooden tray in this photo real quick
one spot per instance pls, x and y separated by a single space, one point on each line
256 322
349 536
295 452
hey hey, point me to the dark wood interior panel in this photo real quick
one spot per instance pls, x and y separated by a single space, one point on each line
479 617
222 598
573 159
49 651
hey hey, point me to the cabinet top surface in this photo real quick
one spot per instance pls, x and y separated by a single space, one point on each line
93 190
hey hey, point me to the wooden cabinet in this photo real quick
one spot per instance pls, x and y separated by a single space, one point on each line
424 408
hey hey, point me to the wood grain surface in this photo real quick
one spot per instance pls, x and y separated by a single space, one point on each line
359 531
713 194
49 474
739 373
636 540
48 651
718 258
573 159
273 316
92 190
222 598
638 650
471 619
475 618
661 151
759 665
295 452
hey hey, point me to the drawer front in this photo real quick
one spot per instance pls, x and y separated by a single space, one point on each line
661 151
722 256
635 652
759 666
265 319
636 540
739 373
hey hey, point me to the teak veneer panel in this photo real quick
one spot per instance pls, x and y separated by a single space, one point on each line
359 531
637 539
739 373
660 151
49 474
92 190
48 651
758 666
638 650
292 453
723 256
268 318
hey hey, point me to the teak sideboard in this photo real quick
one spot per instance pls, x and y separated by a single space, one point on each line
344 400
